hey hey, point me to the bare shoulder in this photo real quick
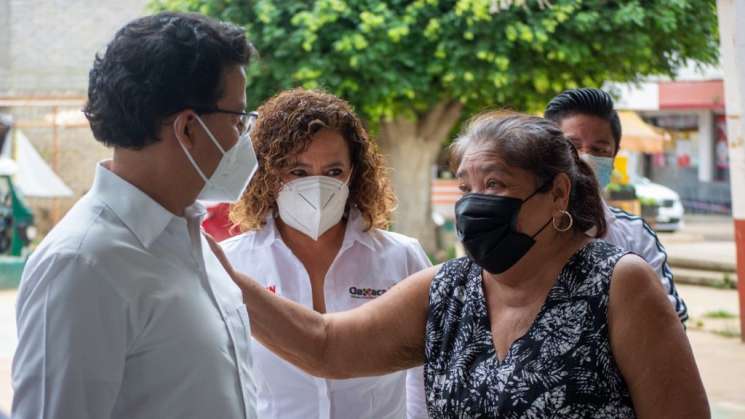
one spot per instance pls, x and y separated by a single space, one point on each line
633 275
636 295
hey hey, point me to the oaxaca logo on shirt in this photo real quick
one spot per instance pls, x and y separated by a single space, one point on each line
366 293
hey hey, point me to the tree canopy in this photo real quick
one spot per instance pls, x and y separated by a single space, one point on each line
413 69
391 58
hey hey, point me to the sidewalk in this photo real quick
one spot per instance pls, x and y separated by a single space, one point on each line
703 252
721 362
720 356
8 343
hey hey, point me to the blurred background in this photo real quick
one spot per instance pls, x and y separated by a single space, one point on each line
415 70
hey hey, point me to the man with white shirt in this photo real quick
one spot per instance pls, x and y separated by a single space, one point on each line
589 121
123 311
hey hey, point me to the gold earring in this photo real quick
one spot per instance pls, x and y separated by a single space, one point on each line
563 213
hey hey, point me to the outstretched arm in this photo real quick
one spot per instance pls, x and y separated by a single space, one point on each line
382 336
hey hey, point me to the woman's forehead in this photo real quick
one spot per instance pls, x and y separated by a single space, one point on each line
482 162
481 159
325 146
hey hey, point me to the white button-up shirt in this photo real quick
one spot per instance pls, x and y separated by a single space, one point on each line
123 312
368 263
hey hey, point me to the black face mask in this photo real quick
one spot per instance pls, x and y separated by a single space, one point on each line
486 224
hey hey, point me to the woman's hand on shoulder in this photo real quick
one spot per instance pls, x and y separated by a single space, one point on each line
650 345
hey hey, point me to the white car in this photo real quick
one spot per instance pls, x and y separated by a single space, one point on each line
670 216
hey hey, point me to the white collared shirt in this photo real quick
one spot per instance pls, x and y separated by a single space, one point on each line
121 314
368 264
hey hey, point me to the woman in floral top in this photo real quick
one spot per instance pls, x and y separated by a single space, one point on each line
539 320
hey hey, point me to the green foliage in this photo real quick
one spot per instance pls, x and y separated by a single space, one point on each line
720 314
400 57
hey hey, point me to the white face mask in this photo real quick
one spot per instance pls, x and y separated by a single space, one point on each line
313 204
232 174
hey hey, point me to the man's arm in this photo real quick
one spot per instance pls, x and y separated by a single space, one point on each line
72 340
654 253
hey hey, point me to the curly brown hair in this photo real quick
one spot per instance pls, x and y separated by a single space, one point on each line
284 128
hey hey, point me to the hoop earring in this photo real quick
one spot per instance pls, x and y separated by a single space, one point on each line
568 227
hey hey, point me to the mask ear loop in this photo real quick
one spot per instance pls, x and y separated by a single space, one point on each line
191 159
532 195
209 134
540 188
542 228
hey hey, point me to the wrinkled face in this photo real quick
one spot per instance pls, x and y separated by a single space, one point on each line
590 134
482 170
328 154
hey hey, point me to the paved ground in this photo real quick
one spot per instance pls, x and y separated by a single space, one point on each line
708 238
720 356
7 346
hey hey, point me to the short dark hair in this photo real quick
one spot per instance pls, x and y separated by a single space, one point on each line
538 146
585 101
156 66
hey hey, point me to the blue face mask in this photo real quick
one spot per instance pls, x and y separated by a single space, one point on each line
602 166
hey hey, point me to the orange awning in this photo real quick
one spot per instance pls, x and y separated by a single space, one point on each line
639 136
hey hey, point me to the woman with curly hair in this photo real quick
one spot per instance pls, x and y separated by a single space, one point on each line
313 221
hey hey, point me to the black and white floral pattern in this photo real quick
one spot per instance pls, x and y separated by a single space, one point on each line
562 367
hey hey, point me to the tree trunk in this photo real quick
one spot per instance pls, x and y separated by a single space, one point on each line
411 148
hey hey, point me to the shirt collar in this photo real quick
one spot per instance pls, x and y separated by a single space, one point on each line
355 232
609 218
142 215
356 225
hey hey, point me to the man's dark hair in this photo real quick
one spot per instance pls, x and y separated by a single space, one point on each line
585 101
156 66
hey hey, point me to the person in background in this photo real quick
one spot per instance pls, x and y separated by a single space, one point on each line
588 119
123 312
314 218
539 320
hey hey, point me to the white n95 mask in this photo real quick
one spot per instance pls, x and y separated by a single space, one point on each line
313 204
232 174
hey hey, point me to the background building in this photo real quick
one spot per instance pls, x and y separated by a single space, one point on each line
46 50
695 160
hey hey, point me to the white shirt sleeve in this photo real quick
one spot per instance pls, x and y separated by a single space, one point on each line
72 341
416 401
417 258
647 245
